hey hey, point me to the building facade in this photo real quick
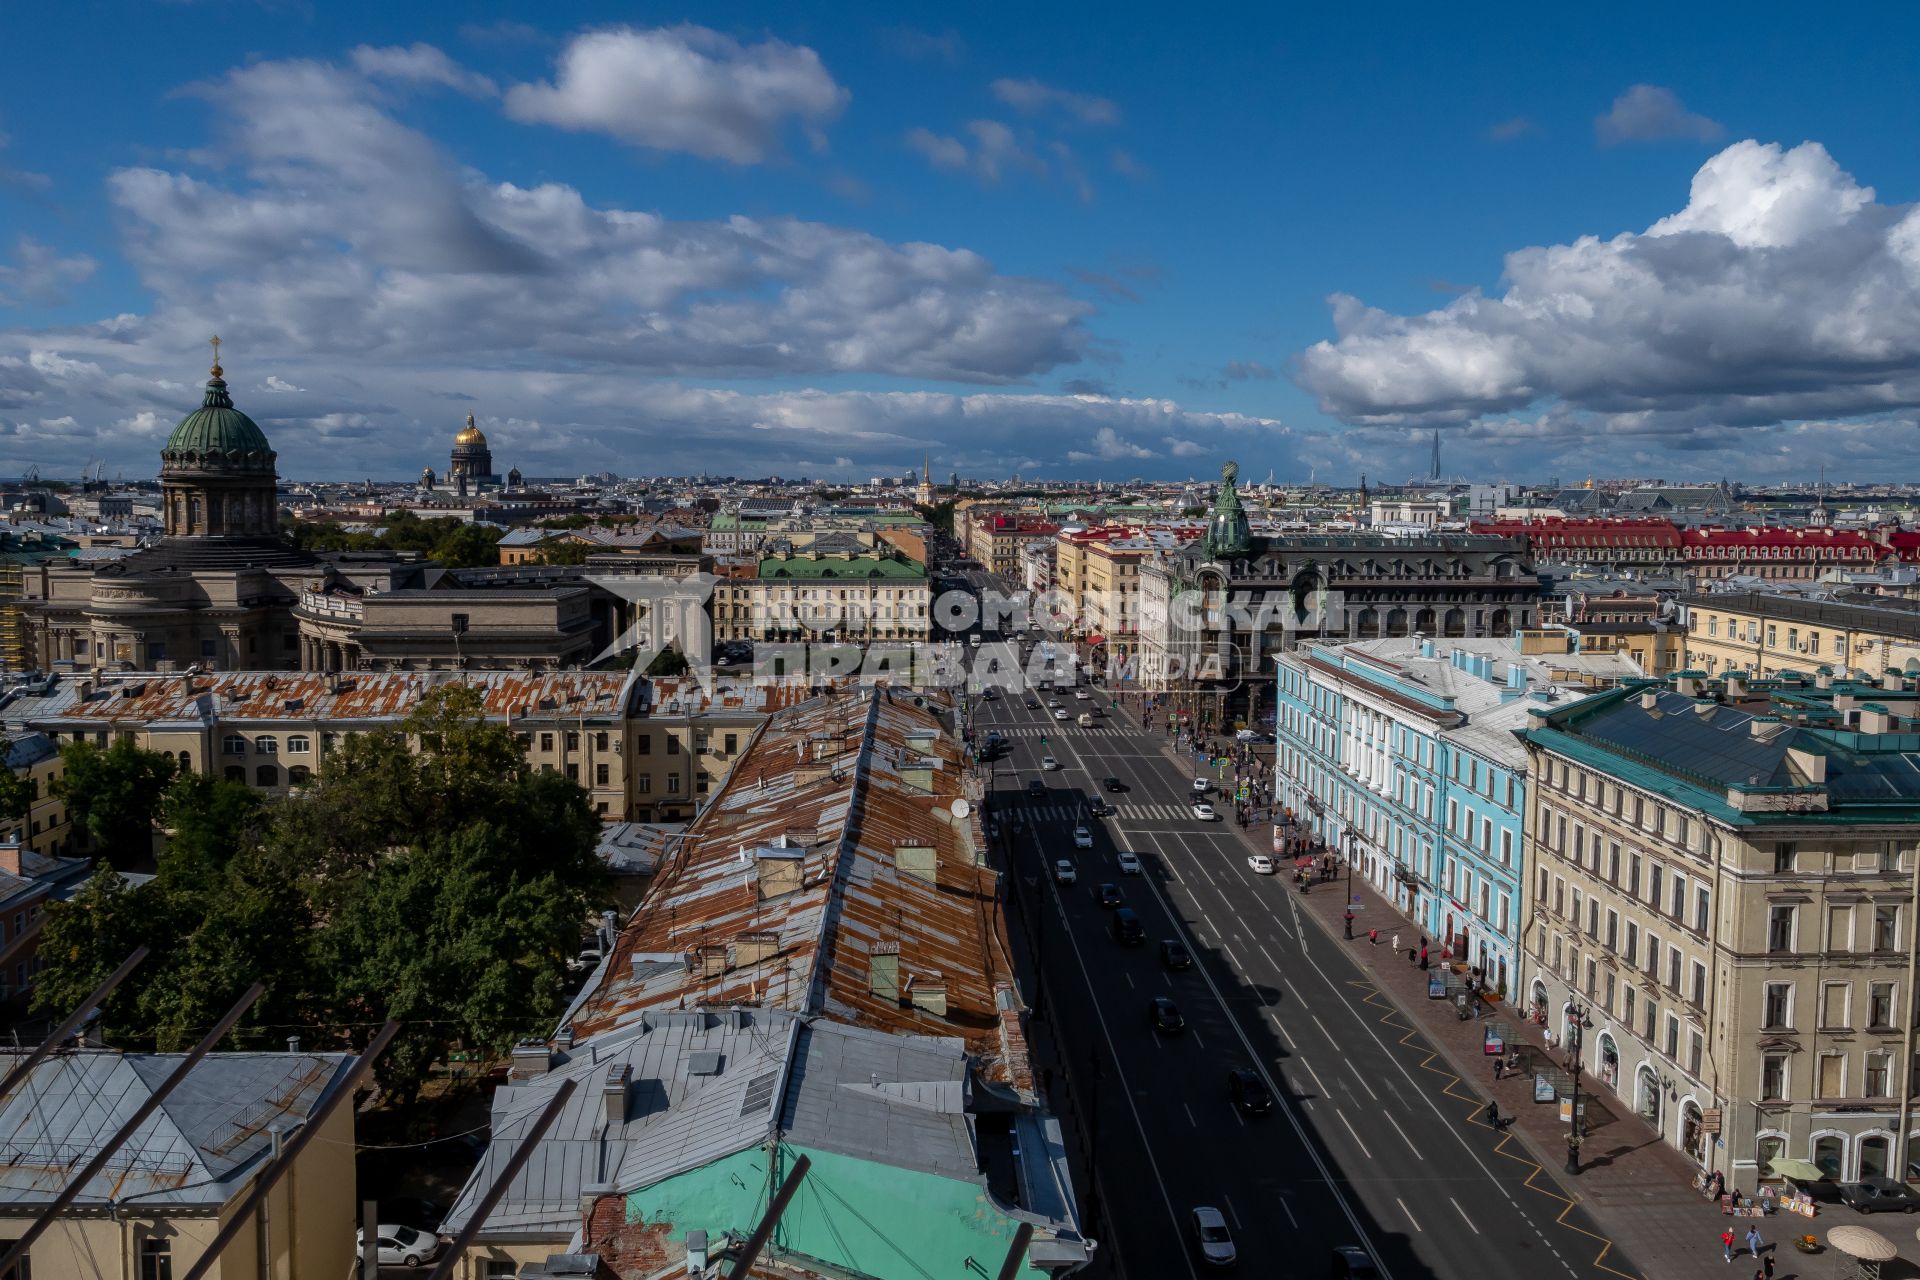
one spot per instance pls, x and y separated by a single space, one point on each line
1762 633
1720 879
1214 614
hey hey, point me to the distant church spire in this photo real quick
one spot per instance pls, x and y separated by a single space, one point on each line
1435 472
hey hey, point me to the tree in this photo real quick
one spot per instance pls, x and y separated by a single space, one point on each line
115 794
557 552
668 662
16 794
939 515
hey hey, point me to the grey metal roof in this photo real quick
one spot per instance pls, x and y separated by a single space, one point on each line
199 1148
892 1099
674 1120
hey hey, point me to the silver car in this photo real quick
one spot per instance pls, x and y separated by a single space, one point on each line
1211 1239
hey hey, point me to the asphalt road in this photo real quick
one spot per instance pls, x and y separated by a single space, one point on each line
1364 1148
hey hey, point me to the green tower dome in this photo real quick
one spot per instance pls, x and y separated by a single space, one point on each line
217 426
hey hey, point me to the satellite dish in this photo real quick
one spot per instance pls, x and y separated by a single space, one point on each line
961 808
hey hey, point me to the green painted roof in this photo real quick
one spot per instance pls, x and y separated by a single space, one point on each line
858 567
217 425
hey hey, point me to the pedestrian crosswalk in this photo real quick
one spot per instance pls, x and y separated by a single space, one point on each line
1054 730
1121 813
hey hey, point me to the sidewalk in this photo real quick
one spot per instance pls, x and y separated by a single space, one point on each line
1638 1189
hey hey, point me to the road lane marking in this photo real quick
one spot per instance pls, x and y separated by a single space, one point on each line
1197 1040
1410 1218
1355 1132
1190 1120
1360 1076
1287 1209
1129 978
1463 1215
1403 1137
1323 1029
1317 1082
1265 952
1231 1211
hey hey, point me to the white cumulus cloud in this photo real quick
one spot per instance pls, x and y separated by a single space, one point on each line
683 88
421 64
1782 292
1650 113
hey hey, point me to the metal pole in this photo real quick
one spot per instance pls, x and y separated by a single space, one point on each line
750 1251
1901 1146
290 1151
1016 1251
369 1240
73 1020
127 1130
515 1162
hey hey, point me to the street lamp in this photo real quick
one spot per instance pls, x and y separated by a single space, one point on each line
1577 1022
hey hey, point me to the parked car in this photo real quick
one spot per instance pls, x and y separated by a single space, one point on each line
1114 784
1202 785
1204 812
1109 894
1880 1195
1174 954
401 1246
1820 1190
1063 871
1082 837
1261 863
1166 1015
1248 1091
1211 1239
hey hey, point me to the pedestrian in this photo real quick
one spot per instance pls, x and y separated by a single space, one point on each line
1396 942
1423 956
1349 924
1754 1241
1726 1243
1493 1113
1373 936
1767 1263
1499 1066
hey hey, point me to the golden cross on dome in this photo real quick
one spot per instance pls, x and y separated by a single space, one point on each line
216 355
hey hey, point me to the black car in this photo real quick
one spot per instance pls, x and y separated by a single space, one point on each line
1114 784
1033 704
1174 954
1109 894
1098 808
1166 1016
1351 1262
1249 1092
1036 790
1880 1195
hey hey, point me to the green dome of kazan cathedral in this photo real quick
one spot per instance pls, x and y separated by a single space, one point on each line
216 471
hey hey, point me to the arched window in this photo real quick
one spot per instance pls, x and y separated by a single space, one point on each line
1768 1148
1829 1154
186 762
267 745
236 773
298 775
299 744
1873 1155
266 776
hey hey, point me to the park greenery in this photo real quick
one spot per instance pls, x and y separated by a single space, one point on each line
447 539
427 875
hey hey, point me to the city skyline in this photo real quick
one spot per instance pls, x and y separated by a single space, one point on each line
778 245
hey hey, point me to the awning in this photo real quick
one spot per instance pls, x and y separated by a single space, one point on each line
1798 1170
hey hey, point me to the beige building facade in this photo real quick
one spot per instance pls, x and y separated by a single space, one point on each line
1721 882
1763 634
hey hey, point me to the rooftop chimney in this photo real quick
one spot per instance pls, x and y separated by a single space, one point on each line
1649 699
1764 727
1426 647
531 1058
1736 684
1892 679
1687 683
293 1044
1875 718
614 1092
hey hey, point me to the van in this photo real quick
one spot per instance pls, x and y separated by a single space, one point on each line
1085 721
1127 930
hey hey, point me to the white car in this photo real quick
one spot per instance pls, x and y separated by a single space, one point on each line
1202 785
1059 713
1049 763
1261 863
1204 811
1082 838
1211 1239
401 1246
1247 735
1129 862
1082 694
1063 871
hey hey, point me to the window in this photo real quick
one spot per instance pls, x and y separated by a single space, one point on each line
1613 863
299 775
1777 1008
673 782
600 740
732 743
1613 930
299 745
646 744
156 1260
1880 1005
1832 1079
673 745
1633 875
1876 1076
1693 1053
573 771
1653 956
1779 928
645 784
266 776
1679 911
1886 928
1833 1006
1627 998
573 739
1506 848
236 773
1673 970
1699 985
1632 948
234 745
267 745
1839 928
1773 1077
600 775
546 742
1653 885
1783 854
1700 909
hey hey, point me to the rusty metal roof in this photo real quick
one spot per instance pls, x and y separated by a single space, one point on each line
821 851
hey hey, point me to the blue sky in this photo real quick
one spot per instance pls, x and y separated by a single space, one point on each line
1096 241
